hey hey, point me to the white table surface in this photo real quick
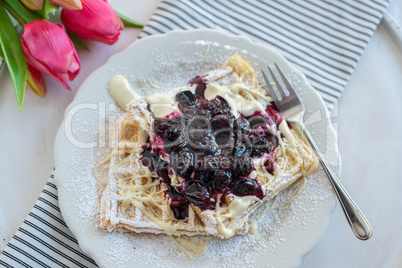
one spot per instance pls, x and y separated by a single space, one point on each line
367 119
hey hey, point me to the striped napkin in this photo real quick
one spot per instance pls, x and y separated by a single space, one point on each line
324 39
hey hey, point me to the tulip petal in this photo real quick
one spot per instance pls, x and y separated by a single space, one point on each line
33 4
36 82
96 21
43 41
49 50
68 4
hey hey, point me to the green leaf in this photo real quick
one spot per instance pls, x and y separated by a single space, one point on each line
13 55
129 22
78 43
48 8
20 12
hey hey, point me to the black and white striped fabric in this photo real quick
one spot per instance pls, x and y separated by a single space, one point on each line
324 39
44 240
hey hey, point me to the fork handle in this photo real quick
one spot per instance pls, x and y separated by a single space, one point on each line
357 221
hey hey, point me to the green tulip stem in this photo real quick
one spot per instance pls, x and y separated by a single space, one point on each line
13 13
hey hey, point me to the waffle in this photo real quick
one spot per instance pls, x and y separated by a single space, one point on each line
135 198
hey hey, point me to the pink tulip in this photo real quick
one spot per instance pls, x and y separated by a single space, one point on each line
96 21
68 4
33 4
48 49
36 82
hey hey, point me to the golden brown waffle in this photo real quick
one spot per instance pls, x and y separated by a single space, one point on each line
135 199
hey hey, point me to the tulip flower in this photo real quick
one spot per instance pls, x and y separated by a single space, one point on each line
68 4
36 81
96 21
48 49
33 4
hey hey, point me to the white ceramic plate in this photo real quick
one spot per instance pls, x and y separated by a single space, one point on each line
284 235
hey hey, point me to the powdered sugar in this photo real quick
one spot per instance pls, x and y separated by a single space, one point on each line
279 231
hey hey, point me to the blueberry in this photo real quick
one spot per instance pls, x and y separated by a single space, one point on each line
180 212
197 193
201 173
201 85
148 158
243 146
183 163
222 179
240 149
175 195
173 131
186 98
179 203
225 162
257 121
244 166
199 139
269 166
260 146
162 169
216 106
242 126
198 122
211 163
222 121
189 111
222 125
160 126
177 145
245 187
228 149
222 104
272 139
224 138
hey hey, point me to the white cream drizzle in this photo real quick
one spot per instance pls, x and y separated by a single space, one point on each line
238 205
162 104
121 91
196 249
238 103
284 129
253 227
152 84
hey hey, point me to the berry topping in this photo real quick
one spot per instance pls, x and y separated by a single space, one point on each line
247 187
222 179
210 150
172 132
160 126
260 146
182 163
180 210
197 194
201 85
185 98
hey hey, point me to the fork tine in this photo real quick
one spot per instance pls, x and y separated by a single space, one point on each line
270 88
285 81
277 84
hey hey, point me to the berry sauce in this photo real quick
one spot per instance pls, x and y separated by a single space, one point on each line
210 150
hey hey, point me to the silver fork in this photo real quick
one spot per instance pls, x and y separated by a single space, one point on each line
293 111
